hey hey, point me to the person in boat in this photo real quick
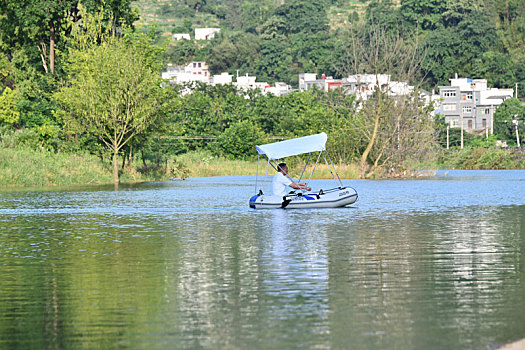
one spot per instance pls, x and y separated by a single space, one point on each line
281 183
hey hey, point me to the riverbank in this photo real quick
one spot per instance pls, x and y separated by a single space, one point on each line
25 167
199 164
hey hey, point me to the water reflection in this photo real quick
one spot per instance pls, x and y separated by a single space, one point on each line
153 266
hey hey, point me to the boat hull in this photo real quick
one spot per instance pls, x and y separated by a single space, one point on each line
334 198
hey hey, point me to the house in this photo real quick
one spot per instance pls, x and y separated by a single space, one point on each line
361 85
364 85
180 36
196 71
309 81
206 33
221 79
471 103
280 89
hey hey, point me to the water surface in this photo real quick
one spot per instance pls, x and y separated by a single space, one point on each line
434 263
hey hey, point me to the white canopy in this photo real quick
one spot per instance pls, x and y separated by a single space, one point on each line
293 147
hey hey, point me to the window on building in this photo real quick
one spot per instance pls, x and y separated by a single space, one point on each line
468 96
194 65
486 111
467 109
454 123
449 107
449 93
484 123
470 124
199 64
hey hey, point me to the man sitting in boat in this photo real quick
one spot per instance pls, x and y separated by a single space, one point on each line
281 183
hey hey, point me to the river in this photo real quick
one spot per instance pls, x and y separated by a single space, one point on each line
431 263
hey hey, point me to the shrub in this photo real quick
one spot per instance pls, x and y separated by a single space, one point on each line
239 140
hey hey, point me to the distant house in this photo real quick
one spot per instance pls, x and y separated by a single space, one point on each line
196 71
206 33
364 85
180 36
309 81
280 89
361 85
222 79
472 102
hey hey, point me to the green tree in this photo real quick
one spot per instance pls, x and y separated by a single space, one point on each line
37 26
114 90
496 67
238 140
425 14
508 113
182 52
9 113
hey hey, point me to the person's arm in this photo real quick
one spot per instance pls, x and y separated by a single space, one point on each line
299 186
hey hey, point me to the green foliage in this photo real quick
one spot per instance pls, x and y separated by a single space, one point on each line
114 89
483 158
426 14
508 113
238 140
9 113
182 52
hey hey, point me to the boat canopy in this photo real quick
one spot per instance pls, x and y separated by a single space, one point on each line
293 147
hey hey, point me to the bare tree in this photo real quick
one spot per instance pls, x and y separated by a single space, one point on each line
393 125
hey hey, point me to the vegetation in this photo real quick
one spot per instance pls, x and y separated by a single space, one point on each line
275 40
114 91
80 80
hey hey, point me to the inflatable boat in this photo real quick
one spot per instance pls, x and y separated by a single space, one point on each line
339 196
333 198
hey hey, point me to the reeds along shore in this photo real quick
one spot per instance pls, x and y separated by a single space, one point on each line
24 167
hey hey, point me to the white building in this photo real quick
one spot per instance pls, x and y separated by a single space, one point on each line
364 85
206 33
180 36
309 81
221 79
470 103
280 89
196 71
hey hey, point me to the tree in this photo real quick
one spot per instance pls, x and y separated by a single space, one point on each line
114 89
426 14
9 113
390 129
496 67
37 26
508 113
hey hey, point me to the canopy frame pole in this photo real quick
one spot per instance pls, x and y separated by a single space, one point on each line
333 166
329 168
307 161
257 172
267 166
315 166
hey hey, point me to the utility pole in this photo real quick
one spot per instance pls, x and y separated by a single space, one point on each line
515 122
461 124
448 127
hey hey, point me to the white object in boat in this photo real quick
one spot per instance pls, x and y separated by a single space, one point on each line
332 198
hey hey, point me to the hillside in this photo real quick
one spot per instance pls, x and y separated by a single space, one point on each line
173 16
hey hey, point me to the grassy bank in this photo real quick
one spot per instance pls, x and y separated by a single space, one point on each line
199 164
482 158
23 167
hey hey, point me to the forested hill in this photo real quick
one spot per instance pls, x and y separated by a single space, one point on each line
277 39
